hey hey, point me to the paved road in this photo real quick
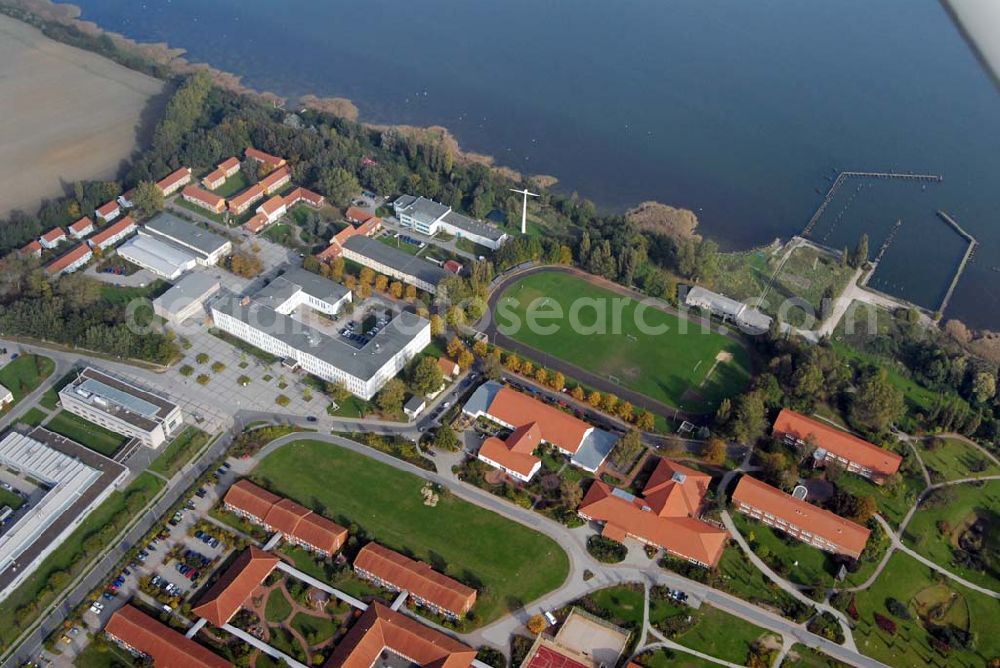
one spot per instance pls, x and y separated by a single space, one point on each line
635 569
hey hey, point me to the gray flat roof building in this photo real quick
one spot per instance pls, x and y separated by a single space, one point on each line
421 209
387 256
295 280
193 237
473 226
77 480
186 297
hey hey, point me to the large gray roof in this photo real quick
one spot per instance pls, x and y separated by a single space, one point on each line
423 210
190 288
397 259
361 363
189 234
473 226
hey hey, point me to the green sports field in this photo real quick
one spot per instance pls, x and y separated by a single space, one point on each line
692 370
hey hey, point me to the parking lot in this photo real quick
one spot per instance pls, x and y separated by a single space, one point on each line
154 561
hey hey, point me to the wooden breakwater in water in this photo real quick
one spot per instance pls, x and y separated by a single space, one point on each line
844 176
888 241
969 252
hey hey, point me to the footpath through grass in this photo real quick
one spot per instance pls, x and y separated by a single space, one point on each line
645 349
932 601
86 433
720 634
954 459
508 563
958 527
23 375
20 607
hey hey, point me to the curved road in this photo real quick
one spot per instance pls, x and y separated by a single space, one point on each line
635 569
487 325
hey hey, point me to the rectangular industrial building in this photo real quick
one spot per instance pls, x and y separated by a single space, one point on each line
206 246
429 217
263 322
76 479
161 258
394 262
122 407
186 298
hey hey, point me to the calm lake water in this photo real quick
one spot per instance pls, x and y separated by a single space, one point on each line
738 110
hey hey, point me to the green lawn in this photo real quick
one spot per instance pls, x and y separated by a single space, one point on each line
812 565
892 506
625 604
50 399
916 586
234 184
352 407
665 658
946 515
742 579
24 374
86 433
103 655
508 563
672 367
315 630
954 459
201 211
278 608
19 608
179 452
117 294
10 499
808 274
33 416
282 234
721 635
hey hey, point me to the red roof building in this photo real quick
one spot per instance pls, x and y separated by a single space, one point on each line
276 179
32 248
513 408
256 223
799 519
357 215
298 524
138 633
273 209
81 228
666 515
218 177
204 199
301 194
171 183
113 233
225 598
69 262
380 630
52 238
856 454
368 228
453 266
109 211
272 161
514 456
449 369
242 202
392 570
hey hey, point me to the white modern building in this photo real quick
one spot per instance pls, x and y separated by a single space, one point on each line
74 479
207 247
393 262
6 396
740 314
429 217
122 407
265 321
186 298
